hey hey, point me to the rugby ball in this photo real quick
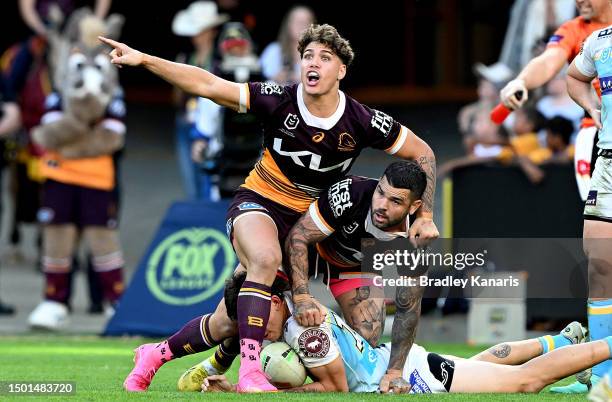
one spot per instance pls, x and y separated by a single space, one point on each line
280 362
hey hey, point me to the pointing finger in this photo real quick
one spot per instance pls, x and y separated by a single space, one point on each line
108 41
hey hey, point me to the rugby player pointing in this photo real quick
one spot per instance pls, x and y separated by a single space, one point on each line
313 133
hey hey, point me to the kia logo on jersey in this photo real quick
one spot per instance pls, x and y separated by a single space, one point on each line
315 159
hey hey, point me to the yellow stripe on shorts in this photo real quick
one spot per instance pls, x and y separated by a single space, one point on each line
600 310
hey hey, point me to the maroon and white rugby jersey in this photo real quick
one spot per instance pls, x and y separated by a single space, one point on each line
304 154
343 213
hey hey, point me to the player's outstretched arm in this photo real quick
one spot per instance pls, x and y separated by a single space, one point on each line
536 73
416 149
405 323
579 89
330 377
307 310
188 78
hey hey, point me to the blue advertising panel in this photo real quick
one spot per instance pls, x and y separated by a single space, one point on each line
181 275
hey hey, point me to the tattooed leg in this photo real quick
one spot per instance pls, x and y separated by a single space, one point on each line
511 353
364 311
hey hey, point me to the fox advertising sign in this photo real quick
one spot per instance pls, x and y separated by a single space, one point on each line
182 274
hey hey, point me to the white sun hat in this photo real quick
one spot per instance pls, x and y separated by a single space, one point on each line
497 73
199 16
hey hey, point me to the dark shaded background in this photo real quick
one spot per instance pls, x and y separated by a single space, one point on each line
399 44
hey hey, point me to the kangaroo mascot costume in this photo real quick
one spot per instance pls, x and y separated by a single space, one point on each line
81 130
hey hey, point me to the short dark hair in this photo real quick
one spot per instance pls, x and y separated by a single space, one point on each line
233 285
327 35
408 175
562 127
536 118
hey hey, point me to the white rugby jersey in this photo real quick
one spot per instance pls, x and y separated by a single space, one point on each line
595 60
364 365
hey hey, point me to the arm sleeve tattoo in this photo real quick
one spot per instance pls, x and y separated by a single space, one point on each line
405 322
428 164
303 233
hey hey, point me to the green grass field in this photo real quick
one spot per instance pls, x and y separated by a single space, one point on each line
99 365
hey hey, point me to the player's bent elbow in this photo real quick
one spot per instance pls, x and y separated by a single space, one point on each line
334 387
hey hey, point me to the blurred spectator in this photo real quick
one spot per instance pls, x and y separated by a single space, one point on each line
557 102
529 21
490 79
558 147
36 13
280 60
10 117
239 11
199 21
490 144
27 76
10 121
527 123
486 139
226 144
524 139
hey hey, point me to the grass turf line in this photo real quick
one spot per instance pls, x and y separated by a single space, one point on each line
99 366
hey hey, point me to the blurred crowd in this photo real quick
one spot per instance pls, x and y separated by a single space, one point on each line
541 132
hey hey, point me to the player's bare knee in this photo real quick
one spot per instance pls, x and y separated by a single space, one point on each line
529 381
368 332
59 241
532 386
600 268
264 263
102 241
222 327
600 277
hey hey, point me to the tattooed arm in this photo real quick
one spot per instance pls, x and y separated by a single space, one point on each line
405 322
416 149
308 312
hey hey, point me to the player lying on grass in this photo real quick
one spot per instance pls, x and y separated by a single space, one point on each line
339 360
374 209
312 135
